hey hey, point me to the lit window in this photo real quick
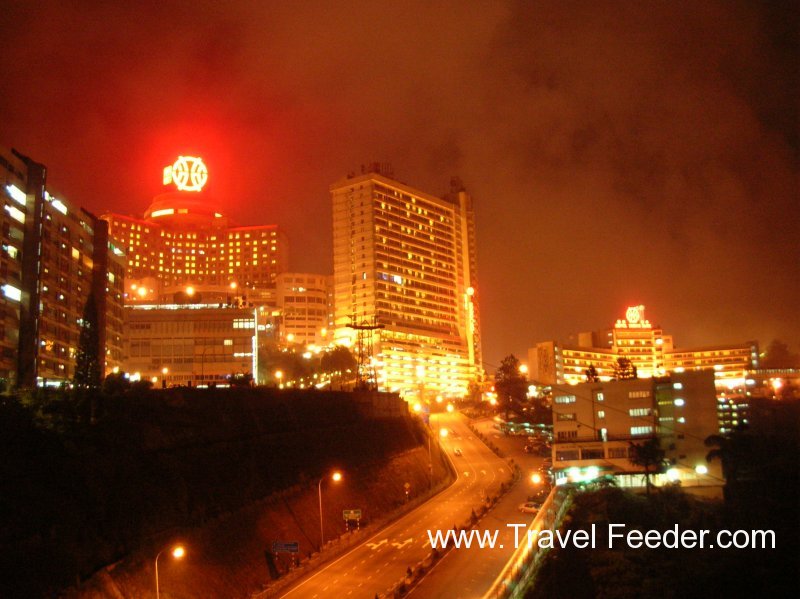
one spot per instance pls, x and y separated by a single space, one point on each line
11 292
641 430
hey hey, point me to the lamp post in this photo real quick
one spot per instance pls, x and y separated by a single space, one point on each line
164 372
335 477
177 553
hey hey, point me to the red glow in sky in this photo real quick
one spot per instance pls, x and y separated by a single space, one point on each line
619 153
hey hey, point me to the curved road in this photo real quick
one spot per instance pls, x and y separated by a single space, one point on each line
381 561
469 572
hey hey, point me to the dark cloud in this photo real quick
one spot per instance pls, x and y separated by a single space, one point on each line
619 152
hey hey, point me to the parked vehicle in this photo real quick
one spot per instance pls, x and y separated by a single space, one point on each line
530 507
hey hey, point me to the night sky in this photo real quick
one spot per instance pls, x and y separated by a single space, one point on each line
619 152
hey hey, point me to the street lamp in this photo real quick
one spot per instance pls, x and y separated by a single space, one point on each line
164 372
177 552
536 478
335 477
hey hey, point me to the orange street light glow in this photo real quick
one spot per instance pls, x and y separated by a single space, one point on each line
178 552
337 476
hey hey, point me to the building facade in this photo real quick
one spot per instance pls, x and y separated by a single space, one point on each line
195 344
594 425
184 242
55 256
648 348
405 261
305 304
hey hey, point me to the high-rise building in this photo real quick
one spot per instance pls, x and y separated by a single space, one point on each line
184 242
405 260
55 256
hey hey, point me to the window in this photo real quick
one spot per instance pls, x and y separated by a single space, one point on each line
640 412
598 396
641 430
562 417
617 452
677 386
566 435
565 399
636 394
592 454
679 402
566 455
601 414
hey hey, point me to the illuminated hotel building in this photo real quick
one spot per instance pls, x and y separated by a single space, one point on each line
202 294
183 241
648 349
406 260
54 257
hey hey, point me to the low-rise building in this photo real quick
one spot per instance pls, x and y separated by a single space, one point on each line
594 425
191 344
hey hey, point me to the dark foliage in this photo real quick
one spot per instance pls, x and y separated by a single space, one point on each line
75 498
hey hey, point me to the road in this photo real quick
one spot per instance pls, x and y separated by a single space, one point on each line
382 560
469 573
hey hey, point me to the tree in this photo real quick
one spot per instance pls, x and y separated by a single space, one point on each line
624 370
591 374
510 385
87 362
650 456
116 383
86 379
778 355
734 450
338 361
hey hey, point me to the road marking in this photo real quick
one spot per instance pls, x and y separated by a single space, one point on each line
374 546
403 544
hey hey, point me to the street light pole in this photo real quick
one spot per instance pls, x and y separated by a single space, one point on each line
177 552
336 477
158 594
321 527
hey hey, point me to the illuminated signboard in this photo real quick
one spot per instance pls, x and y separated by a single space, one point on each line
633 314
189 173
634 319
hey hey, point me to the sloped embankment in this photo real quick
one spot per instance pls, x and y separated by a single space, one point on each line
184 464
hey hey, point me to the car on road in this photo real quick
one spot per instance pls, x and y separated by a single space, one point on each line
457 451
530 507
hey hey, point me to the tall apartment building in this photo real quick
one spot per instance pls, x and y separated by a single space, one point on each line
406 260
594 425
183 241
54 257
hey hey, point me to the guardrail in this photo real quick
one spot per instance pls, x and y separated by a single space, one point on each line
415 574
521 569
